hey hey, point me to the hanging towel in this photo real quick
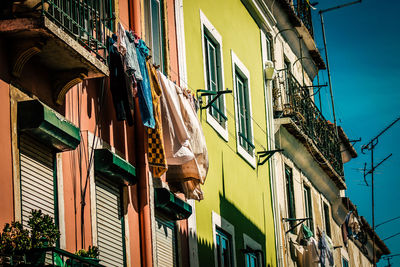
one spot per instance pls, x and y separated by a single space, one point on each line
184 140
144 90
156 151
132 64
121 40
119 85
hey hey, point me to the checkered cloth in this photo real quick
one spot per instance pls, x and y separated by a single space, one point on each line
156 152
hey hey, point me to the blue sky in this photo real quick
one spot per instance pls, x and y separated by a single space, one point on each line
364 54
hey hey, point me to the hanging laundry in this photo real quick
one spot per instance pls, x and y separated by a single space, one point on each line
121 39
144 90
132 64
156 152
311 253
120 87
326 247
184 140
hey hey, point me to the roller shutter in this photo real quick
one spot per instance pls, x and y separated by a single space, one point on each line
165 243
109 224
37 177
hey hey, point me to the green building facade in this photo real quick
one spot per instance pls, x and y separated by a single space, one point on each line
224 52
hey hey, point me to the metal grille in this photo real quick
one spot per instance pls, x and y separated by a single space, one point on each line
88 21
165 243
109 225
37 177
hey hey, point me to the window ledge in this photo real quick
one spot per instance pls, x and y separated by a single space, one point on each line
223 132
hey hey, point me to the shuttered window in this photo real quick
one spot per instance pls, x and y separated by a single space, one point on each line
244 116
109 222
165 242
224 248
37 177
213 71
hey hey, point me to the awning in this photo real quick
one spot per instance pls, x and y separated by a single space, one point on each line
170 205
113 166
48 126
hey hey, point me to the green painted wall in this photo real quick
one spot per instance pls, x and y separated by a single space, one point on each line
234 189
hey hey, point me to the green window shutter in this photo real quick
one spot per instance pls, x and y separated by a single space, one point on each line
243 104
109 222
37 177
213 73
165 242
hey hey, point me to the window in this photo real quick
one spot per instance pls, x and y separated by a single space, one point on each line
156 31
213 75
38 179
290 195
166 245
287 73
326 218
268 44
253 252
244 127
110 222
251 259
308 207
224 248
242 95
224 242
345 263
213 71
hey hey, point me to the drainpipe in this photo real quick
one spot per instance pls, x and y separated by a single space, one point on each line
143 191
272 171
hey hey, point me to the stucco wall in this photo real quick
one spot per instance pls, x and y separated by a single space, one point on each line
234 189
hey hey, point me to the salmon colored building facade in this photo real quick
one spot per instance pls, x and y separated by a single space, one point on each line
54 60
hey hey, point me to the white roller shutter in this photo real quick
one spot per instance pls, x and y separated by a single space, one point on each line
109 225
37 177
165 243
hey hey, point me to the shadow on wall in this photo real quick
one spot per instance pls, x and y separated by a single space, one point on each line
243 225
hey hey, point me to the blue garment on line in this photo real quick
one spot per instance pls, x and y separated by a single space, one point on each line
144 90
325 252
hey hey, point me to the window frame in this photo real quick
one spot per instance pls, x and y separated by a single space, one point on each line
308 206
287 72
162 32
289 189
326 218
220 223
208 29
248 242
344 260
239 68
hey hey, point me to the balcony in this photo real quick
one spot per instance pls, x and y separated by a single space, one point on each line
309 126
48 257
66 37
303 11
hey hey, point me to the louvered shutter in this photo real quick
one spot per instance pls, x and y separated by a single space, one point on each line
166 243
37 177
109 225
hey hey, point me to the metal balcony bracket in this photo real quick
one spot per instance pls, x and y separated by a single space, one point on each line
264 156
215 95
300 221
23 55
65 81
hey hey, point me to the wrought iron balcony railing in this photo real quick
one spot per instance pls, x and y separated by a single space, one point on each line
303 11
48 257
299 106
88 21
